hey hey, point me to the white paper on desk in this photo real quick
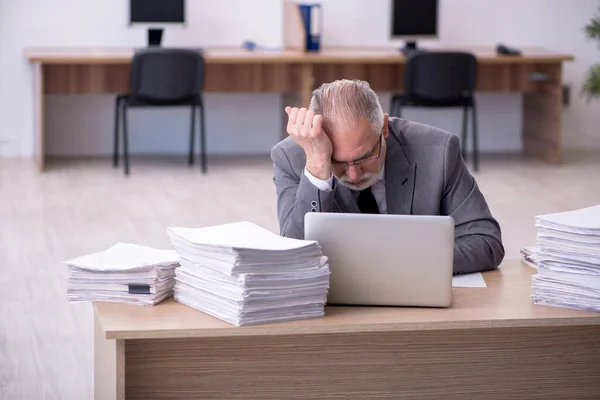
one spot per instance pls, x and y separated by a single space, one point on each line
238 235
474 280
554 235
529 263
585 220
529 256
125 257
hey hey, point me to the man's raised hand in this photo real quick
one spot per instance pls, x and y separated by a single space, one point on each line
306 128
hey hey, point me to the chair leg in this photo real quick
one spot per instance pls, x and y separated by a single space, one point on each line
125 140
464 133
393 107
202 136
475 144
116 139
396 109
192 131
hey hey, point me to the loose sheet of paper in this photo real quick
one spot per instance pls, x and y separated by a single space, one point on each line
576 221
238 235
469 280
125 257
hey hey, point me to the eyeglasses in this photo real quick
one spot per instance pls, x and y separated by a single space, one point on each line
371 157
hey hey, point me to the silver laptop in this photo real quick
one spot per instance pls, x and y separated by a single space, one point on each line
386 260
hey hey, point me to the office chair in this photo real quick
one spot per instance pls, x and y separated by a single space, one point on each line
441 79
163 78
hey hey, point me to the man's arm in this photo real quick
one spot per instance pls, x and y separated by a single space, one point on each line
297 194
477 236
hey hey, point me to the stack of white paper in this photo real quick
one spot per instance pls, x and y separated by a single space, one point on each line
568 259
124 273
244 274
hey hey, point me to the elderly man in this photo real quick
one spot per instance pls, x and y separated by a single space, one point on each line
345 155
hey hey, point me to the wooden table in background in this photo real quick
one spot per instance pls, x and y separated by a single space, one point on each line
493 343
537 74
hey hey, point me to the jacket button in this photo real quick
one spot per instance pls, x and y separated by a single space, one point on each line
313 203
313 209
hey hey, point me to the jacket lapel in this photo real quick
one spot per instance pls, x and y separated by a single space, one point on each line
399 181
399 176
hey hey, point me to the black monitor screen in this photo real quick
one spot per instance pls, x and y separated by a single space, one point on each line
162 11
414 17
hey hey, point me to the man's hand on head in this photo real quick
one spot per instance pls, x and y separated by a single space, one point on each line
306 128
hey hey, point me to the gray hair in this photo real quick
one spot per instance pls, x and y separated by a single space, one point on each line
346 102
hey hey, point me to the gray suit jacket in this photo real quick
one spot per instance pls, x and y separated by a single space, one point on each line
424 175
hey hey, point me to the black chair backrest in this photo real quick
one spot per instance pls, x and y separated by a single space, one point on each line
440 76
166 75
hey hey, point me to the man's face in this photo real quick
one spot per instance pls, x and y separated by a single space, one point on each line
358 154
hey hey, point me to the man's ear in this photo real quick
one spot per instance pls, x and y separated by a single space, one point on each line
385 125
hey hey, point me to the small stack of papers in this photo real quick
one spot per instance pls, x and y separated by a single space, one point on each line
124 273
243 274
568 259
528 255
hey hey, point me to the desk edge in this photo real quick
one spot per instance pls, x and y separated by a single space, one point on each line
270 330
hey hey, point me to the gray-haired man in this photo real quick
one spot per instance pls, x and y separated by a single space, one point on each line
345 155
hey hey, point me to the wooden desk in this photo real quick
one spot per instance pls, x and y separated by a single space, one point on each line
537 74
493 343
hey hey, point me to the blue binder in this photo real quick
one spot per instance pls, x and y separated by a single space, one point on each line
312 17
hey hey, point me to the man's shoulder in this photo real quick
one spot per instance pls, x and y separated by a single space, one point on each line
425 144
286 145
414 133
289 152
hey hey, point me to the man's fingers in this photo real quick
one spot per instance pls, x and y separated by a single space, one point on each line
317 125
308 120
300 119
303 124
292 120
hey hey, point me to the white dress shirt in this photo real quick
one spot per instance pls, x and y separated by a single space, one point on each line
378 188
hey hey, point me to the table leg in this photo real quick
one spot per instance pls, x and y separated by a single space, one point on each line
109 365
542 116
38 115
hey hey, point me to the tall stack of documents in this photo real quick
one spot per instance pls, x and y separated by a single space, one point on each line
245 275
568 259
124 273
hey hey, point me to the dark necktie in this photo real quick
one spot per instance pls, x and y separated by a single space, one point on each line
366 202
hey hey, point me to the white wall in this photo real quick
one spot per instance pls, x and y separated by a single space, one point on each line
251 123
84 124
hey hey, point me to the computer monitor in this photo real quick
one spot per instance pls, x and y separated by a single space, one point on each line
155 14
413 20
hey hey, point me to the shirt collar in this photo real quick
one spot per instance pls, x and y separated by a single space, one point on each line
381 175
